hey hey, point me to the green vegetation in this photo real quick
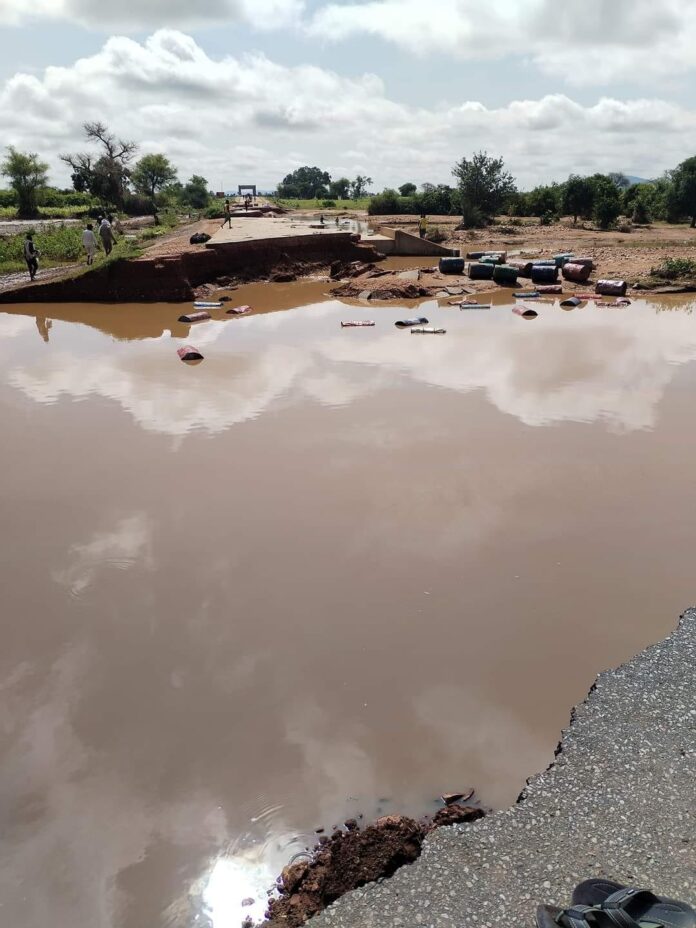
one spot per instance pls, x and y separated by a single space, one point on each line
673 268
150 176
308 183
434 200
484 188
27 176
316 204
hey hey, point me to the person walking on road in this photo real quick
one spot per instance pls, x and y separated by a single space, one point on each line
31 255
107 236
89 242
423 226
228 215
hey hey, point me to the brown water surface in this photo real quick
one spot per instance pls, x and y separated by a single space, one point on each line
324 572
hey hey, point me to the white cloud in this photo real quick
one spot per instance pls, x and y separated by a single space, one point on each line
138 15
585 41
255 120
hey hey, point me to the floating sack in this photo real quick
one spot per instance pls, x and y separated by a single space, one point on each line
357 324
238 311
208 304
475 255
525 312
523 268
421 331
504 275
189 353
544 274
553 288
579 273
407 323
451 265
195 317
529 295
611 287
571 302
481 271
562 260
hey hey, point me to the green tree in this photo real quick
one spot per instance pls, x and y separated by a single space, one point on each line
339 189
484 186
359 186
407 190
105 177
606 202
28 176
196 193
305 184
577 197
683 198
543 199
150 175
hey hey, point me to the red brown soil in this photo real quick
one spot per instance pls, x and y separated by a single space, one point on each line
352 858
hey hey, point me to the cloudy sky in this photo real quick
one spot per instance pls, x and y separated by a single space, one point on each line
243 91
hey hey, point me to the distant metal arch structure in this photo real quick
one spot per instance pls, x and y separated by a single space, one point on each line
251 187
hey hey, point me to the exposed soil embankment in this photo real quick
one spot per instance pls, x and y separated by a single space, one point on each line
351 858
176 278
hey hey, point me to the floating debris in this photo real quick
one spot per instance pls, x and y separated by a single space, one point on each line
430 331
357 324
189 353
406 323
208 304
238 311
194 317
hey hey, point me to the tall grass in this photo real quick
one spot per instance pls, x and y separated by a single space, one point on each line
57 246
319 204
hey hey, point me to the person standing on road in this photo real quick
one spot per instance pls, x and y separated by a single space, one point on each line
31 255
423 226
89 242
107 236
228 215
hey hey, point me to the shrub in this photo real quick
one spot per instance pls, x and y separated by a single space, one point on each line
435 235
328 204
673 268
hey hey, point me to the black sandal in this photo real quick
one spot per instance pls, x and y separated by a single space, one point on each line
617 906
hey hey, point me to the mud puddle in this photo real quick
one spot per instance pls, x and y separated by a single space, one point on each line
325 572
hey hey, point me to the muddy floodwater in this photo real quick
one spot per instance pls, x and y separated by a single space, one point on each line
322 573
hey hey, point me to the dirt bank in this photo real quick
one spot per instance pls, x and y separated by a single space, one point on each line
352 858
174 270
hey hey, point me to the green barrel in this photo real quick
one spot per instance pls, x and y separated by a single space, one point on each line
505 276
481 271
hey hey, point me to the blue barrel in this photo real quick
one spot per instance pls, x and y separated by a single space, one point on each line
505 276
475 255
545 262
451 265
563 259
481 271
544 274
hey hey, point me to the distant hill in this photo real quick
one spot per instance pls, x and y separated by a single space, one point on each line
637 180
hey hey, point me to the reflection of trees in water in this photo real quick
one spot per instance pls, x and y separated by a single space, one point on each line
686 308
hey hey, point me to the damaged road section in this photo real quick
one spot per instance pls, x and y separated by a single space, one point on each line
350 859
618 802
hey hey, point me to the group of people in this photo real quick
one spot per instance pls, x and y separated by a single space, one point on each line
105 230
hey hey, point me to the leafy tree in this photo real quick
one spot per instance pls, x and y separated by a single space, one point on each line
683 194
28 176
577 197
641 213
359 186
484 186
407 190
606 202
340 189
543 199
305 184
150 175
105 177
195 192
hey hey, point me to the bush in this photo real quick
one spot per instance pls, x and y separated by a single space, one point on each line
328 204
641 215
436 235
134 205
673 268
547 219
